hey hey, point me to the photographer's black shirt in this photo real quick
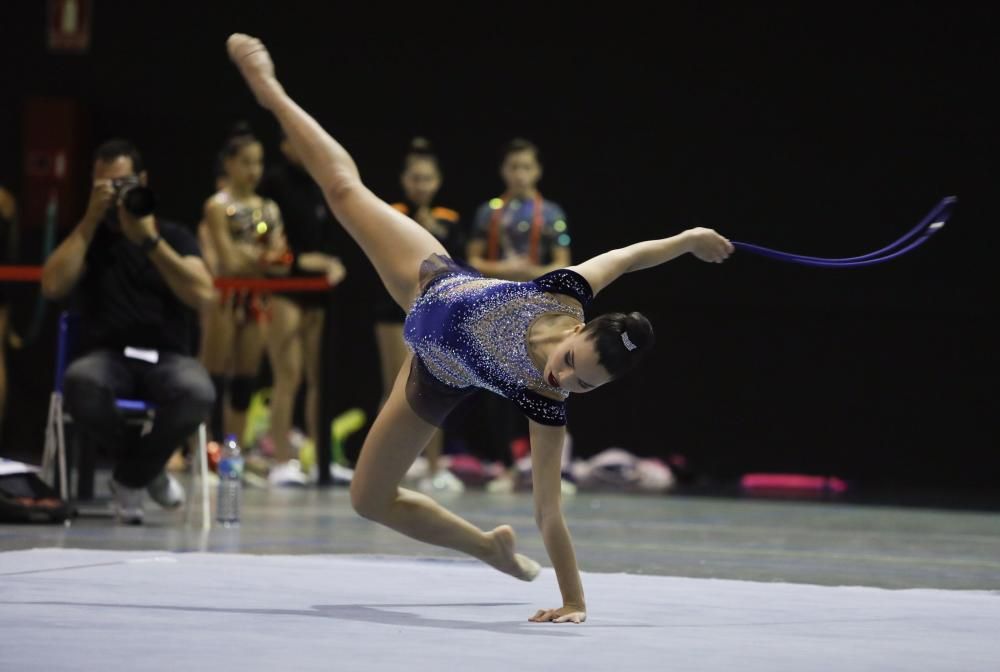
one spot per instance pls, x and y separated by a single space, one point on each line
124 301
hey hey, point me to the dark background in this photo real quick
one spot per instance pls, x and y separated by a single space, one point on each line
828 131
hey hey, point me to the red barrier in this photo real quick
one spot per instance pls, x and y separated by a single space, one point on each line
274 284
20 273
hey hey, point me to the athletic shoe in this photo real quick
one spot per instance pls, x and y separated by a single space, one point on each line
127 503
443 481
285 474
166 491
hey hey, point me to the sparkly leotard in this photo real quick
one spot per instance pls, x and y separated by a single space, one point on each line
253 226
468 331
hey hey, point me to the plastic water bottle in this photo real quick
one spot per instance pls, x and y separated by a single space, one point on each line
230 483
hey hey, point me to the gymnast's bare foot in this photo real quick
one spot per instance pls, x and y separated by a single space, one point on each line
255 64
506 560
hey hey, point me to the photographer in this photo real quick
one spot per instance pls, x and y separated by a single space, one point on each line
135 277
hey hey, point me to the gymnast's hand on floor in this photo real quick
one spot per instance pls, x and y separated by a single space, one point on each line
561 615
708 245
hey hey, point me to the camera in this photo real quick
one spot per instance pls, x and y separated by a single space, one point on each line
136 198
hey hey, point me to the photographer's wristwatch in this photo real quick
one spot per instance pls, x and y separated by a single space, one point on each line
150 243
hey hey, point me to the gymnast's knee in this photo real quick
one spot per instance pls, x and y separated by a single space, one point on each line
341 186
368 502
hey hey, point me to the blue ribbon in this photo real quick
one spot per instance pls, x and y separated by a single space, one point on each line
933 222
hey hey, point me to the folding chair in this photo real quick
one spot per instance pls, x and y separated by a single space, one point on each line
137 412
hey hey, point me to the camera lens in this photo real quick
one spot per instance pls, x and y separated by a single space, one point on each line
139 201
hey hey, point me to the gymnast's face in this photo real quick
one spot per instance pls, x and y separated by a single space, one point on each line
245 168
521 172
573 365
421 181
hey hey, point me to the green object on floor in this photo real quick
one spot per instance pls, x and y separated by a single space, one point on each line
345 424
258 422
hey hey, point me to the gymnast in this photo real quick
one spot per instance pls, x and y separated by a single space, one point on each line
526 341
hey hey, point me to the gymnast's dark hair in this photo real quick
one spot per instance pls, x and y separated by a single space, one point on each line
240 136
520 145
621 340
420 150
112 149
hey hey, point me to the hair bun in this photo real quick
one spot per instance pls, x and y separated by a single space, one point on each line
639 329
239 129
622 341
420 145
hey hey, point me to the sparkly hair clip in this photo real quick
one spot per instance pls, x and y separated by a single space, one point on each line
629 345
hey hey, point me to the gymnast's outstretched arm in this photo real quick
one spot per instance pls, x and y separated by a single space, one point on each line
546 477
602 270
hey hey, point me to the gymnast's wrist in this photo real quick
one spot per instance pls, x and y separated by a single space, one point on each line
687 240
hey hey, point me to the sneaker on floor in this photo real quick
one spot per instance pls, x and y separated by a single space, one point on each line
443 481
341 475
417 471
127 503
166 491
501 485
286 474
